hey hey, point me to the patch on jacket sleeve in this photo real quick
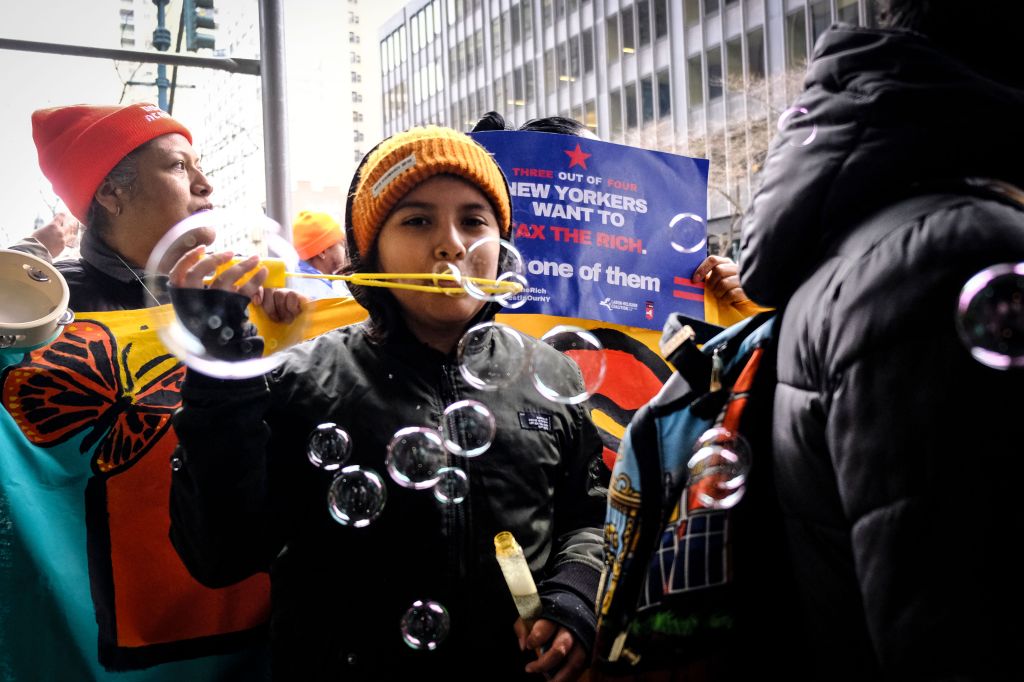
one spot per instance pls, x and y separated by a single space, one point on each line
535 421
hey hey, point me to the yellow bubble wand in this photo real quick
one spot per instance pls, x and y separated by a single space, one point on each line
277 275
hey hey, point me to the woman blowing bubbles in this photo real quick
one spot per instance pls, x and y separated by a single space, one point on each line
247 498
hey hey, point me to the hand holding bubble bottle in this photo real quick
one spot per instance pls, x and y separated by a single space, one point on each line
518 578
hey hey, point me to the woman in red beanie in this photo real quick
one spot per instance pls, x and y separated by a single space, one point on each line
128 173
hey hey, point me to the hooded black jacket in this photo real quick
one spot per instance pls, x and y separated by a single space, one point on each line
896 454
248 499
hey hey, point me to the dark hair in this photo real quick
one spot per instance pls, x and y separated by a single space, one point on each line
560 125
555 124
124 175
492 120
977 33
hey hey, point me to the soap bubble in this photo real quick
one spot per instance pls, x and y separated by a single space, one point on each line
425 625
492 258
328 447
491 355
718 468
990 316
452 485
556 379
414 456
356 496
453 285
209 327
797 121
468 428
687 233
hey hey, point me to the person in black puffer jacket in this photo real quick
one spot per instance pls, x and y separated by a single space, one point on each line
896 455
247 498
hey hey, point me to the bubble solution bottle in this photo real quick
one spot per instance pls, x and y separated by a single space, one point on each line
518 577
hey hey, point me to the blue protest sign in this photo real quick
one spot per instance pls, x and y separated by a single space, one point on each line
607 232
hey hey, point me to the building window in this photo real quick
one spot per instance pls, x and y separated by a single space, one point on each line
710 7
590 115
611 35
643 21
664 94
356 77
846 11
631 121
355 57
357 117
647 99
526 12
615 112
628 31
691 12
353 37
755 53
496 38
660 18
796 40
734 65
545 16
714 57
563 63
588 50
528 75
499 94
517 28
574 57
695 81
550 77
357 136
356 97
821 18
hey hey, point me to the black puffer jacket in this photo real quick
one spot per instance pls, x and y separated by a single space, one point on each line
248 499
896 455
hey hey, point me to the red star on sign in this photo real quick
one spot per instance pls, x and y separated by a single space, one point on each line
578 157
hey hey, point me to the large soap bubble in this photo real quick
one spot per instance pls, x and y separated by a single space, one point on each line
990 316
468 428
328 447
452 485
425 625
414 457
718 468
495 259
490 355
555 379
211 325
356 496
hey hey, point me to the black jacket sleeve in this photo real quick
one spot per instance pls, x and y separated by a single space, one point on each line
221 523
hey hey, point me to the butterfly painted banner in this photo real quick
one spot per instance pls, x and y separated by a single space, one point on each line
90 583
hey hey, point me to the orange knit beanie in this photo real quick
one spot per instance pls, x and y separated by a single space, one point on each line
314 232
78 145
405 160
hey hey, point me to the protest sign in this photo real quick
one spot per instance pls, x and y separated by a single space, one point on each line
607 232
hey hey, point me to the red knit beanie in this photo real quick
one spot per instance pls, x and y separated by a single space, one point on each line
78 145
